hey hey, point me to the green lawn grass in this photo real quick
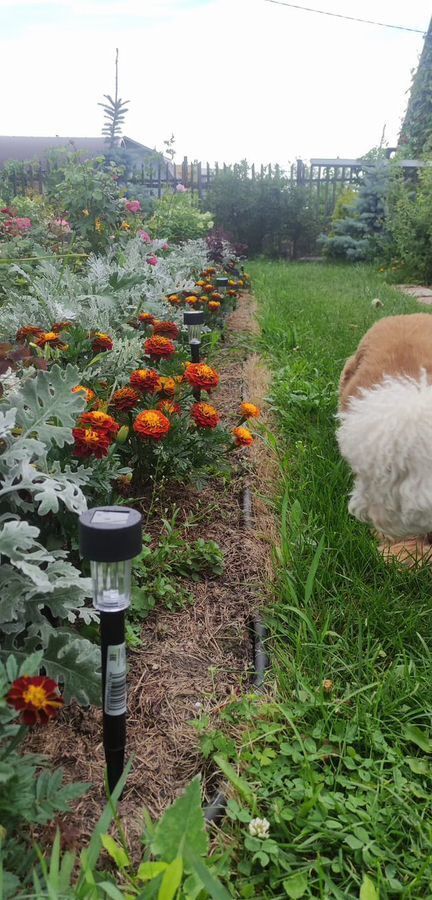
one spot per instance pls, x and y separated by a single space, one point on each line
343 774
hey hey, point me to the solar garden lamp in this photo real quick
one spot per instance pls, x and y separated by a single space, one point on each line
110 537
222 284
194 321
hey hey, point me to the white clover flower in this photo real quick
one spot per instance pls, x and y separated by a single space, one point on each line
259 828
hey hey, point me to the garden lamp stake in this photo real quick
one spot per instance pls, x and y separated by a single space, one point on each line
110 537
194 321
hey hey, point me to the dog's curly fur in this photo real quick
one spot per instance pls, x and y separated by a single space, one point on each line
385 425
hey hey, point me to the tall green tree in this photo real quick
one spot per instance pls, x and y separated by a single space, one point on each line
115 112
416 130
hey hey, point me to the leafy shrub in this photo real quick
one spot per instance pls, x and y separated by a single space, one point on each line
178 217
269 215
359 230
89 194
410 224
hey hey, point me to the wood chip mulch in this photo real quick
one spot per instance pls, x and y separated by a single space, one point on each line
192 662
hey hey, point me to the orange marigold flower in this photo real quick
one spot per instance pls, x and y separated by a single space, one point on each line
169 408
168 329
242 436
159 346
49 337
145 380
214 305
232 293
125 399
200 283
204 298
147 318
216 296
89 442
250 411
28 331
174 299
152 424
208 288
89 394
166 386
210 270
100 421
204 415
199 375
101 342
191 300
36 697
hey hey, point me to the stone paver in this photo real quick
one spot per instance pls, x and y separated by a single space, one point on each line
420 293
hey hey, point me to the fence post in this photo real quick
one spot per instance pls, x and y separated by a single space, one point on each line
185 171
159 179
199 182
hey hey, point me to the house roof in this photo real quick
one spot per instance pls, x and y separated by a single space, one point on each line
23 149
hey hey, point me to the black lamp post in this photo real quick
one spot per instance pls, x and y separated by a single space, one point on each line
222 284
194 321
110 537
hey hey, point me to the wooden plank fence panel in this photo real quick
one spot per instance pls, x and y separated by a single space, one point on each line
324 179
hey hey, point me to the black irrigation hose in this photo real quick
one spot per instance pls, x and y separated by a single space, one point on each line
215 811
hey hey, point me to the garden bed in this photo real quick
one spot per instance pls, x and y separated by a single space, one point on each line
193 662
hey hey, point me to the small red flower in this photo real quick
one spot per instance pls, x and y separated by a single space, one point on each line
167 329
145 380
242 436
169 408
166 386
36 697
89 394
159 347
204 415
125 399
146 318
61 326
201 376
51 338
28 331
100 421
89 442
101 342
152 424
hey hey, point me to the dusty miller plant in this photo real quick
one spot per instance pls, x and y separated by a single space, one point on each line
35 421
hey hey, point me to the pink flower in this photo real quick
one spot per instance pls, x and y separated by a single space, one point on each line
133 206
165 247
152 260
17 225
181 189
144 237
60 227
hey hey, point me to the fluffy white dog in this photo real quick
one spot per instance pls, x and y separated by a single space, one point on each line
385 426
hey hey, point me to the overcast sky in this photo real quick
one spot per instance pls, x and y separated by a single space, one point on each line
232 79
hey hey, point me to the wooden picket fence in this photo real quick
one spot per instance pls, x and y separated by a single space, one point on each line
324 178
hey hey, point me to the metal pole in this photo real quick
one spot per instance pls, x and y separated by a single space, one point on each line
113 647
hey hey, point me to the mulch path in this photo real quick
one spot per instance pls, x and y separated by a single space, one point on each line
192 662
